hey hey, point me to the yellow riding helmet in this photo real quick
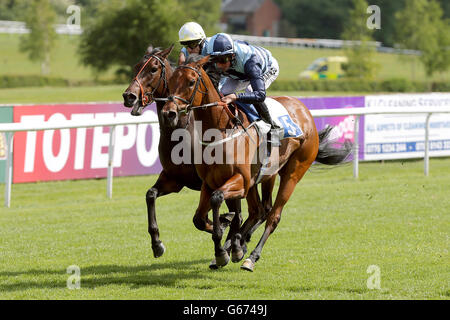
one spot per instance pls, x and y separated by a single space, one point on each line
191 31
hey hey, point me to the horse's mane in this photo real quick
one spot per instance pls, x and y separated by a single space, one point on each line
210 69
152 52
194 57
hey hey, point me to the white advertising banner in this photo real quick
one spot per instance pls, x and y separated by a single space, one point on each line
400 136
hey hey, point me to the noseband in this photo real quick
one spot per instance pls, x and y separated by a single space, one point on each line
145 95
189 102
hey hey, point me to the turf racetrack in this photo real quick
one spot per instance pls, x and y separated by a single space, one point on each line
333 228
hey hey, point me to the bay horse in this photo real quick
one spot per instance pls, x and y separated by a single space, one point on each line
150 83
191 89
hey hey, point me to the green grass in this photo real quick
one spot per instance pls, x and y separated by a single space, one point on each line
65 61
104 93
65 64
37 95
292 61
332 229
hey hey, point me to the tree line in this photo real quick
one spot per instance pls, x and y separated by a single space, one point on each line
328 18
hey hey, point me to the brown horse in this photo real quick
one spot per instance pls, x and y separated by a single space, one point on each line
191 90
150 84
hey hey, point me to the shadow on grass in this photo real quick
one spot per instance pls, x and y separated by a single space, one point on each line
158 274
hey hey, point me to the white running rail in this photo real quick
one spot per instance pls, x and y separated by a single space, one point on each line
10 128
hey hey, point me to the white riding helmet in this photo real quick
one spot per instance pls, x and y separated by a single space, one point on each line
191 31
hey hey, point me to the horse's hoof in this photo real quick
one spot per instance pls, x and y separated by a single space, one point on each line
213 265
223 259
248 265
237 256
158 250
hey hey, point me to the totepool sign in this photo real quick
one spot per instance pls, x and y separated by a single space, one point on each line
83 152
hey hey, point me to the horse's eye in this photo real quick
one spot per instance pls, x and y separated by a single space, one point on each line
191 83
154 69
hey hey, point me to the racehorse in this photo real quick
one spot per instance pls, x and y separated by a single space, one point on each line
191 90
150 83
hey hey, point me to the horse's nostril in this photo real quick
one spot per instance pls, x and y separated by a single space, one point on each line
129 97
171 115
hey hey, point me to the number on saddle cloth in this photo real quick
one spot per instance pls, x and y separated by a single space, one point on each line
278 113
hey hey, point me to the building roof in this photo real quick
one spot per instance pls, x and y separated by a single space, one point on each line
241 6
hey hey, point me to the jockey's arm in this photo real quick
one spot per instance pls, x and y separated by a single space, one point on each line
254 73
181 58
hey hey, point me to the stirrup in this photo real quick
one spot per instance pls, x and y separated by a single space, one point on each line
273 139
276 135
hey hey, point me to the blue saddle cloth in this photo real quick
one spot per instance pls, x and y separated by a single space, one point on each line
249 110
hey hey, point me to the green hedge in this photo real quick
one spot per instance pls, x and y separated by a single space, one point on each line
7 81
343 85
358 85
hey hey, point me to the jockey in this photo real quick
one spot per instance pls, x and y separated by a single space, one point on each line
192 38
244 67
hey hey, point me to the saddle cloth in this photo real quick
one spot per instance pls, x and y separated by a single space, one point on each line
278 113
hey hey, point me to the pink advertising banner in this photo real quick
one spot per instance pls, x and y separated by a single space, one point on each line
344 126
83 152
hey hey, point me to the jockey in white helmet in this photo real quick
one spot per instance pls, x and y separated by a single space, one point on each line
192 38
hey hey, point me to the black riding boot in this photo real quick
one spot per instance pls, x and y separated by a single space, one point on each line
263 111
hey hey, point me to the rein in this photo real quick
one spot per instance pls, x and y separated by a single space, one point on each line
189 107
189 102
145 95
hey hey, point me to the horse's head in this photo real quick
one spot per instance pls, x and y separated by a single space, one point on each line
150 80
186 89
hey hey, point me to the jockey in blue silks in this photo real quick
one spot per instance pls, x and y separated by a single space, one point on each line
244 67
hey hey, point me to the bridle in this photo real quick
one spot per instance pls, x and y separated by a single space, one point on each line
190 106
189 102
145 95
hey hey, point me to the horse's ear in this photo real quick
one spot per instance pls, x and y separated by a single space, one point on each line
165 53
204 60
149 49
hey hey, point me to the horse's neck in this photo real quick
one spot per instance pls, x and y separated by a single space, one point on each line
212 117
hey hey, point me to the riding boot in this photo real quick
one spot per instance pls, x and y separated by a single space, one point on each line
263 111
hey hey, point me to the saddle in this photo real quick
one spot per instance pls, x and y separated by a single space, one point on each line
279 115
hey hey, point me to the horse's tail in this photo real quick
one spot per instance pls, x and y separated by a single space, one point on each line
328 152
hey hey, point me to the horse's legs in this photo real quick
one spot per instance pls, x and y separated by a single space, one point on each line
200 219
266 193
290 176
232 189
164 185
262 210
255 212
234 205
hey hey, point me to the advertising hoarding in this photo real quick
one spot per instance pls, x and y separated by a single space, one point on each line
83 152
344 126
401 136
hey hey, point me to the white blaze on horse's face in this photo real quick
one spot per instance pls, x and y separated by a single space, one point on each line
170 114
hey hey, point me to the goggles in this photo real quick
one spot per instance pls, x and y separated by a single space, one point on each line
191 44
222 59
